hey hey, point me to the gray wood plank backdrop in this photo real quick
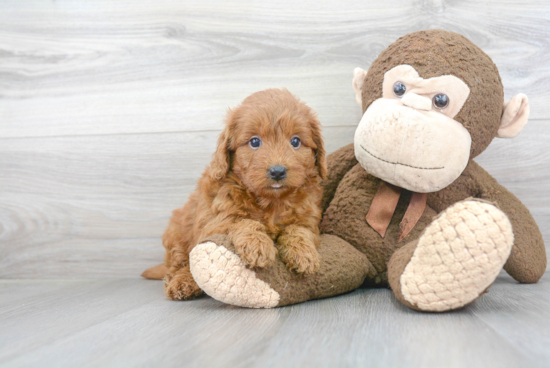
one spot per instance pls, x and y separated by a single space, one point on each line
109 110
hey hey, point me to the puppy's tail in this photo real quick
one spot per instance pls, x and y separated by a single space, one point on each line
155 273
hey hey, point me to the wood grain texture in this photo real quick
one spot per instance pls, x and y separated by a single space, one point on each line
112 323
109 110
71 68
96 206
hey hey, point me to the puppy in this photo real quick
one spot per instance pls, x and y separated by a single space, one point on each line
262 189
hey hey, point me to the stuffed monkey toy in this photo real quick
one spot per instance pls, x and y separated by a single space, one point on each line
405 205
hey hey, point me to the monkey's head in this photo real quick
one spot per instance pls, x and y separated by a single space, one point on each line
432 101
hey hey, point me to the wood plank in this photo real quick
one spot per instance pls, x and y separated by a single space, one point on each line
163 66
37 319
520 312
17 292
96 206
130 323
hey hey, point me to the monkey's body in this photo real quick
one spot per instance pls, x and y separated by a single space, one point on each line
438 251
345 212
347 209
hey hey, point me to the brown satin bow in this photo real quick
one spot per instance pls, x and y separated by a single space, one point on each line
384 204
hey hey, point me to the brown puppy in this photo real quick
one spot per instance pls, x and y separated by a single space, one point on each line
261 189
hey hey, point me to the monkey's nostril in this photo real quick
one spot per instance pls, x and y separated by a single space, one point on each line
277 172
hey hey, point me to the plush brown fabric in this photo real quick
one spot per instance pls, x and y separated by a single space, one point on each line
338 164
345 217
435 53
343 269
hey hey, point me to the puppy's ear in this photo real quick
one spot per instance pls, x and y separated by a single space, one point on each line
320 153
220 165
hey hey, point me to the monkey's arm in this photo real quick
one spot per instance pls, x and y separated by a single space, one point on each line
527 262
339 163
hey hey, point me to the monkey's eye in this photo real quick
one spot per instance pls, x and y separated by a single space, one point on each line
295 142
399 89
255 143
441 101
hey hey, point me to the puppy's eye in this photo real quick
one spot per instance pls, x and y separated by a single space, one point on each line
255 143
295 142
399 89
441 101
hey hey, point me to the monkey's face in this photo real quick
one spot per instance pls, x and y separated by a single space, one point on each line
409 137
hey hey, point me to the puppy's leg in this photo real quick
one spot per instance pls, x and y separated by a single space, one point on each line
178 281
252 243
180 285
297 247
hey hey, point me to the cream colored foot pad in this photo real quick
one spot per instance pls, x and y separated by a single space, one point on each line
223 276
458 257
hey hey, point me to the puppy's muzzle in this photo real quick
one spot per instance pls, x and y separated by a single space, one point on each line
277 172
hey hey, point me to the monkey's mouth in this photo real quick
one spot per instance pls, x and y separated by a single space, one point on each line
399 163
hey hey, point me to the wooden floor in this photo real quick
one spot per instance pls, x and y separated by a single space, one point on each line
129 322
109 112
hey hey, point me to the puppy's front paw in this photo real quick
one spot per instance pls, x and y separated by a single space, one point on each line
256 250
299 254
181 286
301 260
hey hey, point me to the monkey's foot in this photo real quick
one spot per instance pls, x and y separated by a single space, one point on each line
223 275
456 259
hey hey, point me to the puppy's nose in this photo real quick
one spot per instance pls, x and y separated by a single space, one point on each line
277 172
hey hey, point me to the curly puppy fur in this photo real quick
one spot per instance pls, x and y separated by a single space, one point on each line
237 197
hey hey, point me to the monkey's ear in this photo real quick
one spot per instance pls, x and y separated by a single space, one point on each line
219 167
515 114
359 76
